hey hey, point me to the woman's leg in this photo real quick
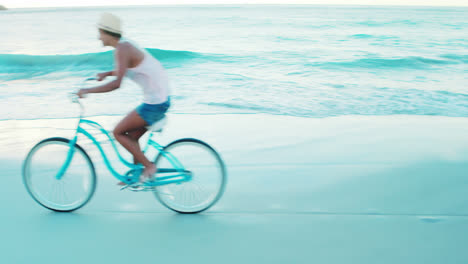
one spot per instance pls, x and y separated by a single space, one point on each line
130 123
136 135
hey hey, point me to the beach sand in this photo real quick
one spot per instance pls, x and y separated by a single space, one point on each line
354 189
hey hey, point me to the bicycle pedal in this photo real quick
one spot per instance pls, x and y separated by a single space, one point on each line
131 187
138 188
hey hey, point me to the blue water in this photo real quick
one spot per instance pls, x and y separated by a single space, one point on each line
309 61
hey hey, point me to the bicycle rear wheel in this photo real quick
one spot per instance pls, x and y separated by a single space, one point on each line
41 166
208 177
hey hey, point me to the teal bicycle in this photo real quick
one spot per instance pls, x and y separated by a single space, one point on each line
59 175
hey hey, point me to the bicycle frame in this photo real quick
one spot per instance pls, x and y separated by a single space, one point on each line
181 175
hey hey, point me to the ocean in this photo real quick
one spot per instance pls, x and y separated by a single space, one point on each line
292 60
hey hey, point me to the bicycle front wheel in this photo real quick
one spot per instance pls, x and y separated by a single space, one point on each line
208 177
40 169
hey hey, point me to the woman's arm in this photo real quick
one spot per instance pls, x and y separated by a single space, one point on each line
122 62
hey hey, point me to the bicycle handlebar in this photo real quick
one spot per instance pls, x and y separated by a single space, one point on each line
74 97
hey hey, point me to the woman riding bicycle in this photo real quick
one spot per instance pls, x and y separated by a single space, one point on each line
144 69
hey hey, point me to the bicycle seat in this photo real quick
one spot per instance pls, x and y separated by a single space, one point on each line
158 126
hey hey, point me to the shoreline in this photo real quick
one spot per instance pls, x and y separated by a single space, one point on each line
356 117
344 140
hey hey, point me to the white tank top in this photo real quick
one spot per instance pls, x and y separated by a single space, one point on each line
151 76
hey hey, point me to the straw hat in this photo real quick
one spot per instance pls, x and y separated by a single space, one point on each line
110 22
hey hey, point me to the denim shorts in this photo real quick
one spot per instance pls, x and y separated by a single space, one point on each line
152 113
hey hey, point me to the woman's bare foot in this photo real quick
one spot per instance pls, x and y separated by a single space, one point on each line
148 172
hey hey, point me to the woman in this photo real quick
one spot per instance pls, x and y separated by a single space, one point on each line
145 70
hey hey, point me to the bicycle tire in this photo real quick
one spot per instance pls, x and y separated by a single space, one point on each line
56 149
216 191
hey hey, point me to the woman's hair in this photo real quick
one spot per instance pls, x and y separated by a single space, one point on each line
115 35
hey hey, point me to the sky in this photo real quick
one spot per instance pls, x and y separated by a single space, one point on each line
62 3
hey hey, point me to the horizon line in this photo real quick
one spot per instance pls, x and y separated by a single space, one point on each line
244 4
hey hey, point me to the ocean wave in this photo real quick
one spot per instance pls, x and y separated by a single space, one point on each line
456 57
361 36
19 63
412 62
403 22
248 107
367 36
376 101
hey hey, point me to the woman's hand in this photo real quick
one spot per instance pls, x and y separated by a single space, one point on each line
102 76
82 93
